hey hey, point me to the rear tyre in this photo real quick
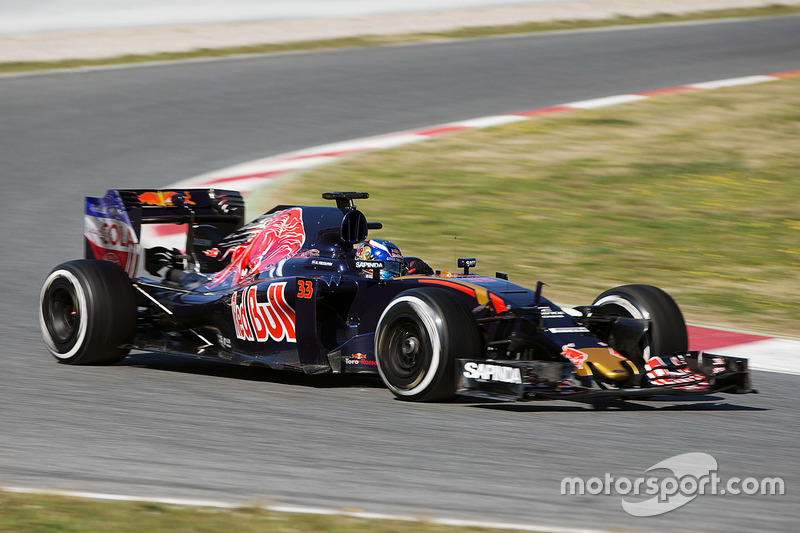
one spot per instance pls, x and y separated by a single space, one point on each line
87 312
419 336
667 332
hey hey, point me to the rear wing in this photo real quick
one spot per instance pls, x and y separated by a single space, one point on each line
113 223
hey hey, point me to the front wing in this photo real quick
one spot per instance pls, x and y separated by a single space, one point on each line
687 374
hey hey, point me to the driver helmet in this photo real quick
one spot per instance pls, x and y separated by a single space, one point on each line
381 250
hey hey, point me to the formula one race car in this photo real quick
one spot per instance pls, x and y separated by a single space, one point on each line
290 291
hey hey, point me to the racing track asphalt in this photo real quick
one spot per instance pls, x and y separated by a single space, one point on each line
169 427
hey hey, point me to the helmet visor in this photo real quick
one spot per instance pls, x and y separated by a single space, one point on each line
391 269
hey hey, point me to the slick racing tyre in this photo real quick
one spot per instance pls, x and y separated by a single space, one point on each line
87 312
419 336
667 331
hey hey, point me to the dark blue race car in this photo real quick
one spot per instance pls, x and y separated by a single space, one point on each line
305 288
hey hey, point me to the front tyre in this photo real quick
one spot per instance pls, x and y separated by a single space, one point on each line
667 331
87 312
419 336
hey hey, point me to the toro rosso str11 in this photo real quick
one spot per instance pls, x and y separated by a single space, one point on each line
287 291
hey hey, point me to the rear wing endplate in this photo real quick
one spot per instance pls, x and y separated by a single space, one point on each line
113 223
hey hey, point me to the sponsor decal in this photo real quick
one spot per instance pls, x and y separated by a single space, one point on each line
568 330
225 342
110 233
163 198
359 359
577 357
492 372
551 313
319 262
369 264
263 321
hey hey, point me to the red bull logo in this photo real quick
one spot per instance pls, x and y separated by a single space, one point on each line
163 198
263 321
577 357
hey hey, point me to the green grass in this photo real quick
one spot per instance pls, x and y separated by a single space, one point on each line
375 40
26 513
697 193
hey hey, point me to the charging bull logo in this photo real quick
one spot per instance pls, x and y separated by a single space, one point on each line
577 357
261 244
263 321
163 198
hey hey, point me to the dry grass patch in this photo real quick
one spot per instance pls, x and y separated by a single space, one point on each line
27 513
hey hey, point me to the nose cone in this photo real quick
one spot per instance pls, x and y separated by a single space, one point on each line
608 363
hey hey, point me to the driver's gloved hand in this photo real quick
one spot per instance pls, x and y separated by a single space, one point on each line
417 266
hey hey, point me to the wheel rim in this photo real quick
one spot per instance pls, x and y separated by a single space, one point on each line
406 353
62 314
412 323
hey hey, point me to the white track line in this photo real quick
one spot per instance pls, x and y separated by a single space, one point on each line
606 101
488 122
733 82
